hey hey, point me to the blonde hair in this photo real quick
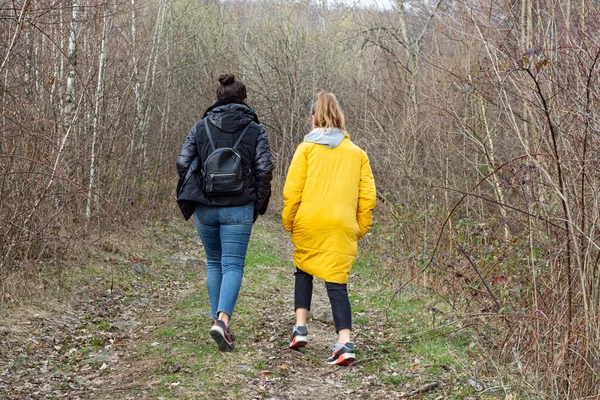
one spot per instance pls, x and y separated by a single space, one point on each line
327 112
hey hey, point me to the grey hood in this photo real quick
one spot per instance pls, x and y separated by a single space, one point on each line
330 137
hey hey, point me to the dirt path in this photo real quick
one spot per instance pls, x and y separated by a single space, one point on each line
136 326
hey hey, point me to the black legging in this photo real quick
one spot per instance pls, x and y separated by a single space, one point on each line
338 297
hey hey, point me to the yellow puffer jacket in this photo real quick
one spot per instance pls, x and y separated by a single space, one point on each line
329 196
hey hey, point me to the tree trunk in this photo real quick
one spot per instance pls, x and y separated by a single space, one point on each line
70 98
149 84
97 108
411 48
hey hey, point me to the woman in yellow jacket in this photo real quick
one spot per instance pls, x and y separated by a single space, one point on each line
329 196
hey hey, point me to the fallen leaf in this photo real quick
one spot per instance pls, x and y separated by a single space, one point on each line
263 374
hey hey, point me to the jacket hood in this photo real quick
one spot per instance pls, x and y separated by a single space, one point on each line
230 117
329 137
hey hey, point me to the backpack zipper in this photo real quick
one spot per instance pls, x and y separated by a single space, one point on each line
223 174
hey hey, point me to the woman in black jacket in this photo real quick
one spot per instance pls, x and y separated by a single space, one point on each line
224 221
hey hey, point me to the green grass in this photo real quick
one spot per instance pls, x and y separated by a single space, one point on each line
166 332
261 251
396 380
411 345
197 351
402 338
193 301
402 341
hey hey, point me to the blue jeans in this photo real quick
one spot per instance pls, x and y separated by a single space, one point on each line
224 232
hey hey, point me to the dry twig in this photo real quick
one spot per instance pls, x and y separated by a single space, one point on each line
422 389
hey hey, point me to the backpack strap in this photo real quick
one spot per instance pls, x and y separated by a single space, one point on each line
237 142
210 138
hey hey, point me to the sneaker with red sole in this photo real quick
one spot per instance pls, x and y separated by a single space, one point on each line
299 337
221 334
343 354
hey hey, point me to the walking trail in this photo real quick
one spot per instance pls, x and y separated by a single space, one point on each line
132 323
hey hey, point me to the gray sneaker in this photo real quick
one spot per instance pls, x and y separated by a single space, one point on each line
299 337
343 354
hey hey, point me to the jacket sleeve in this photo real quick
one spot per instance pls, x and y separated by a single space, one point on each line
187 154
367 197
293 188
263 172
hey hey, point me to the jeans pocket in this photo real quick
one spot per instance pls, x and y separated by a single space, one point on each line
239 214
200 213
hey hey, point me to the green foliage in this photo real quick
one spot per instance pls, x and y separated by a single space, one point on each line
97 343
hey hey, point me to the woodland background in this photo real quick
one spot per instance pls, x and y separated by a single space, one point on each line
480 119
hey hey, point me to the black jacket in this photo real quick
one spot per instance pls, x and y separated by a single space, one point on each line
227 121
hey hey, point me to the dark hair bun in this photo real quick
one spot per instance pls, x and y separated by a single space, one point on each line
226 79
230 89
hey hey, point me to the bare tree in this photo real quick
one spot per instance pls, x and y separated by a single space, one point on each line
71 89
97 107
479 119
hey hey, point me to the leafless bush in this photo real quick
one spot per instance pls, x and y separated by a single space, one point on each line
480 120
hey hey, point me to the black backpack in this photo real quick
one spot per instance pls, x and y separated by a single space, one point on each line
222 171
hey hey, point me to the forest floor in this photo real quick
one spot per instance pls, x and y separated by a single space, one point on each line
132 323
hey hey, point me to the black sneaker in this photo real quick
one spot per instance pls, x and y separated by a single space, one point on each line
343 354
299 337
220 333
